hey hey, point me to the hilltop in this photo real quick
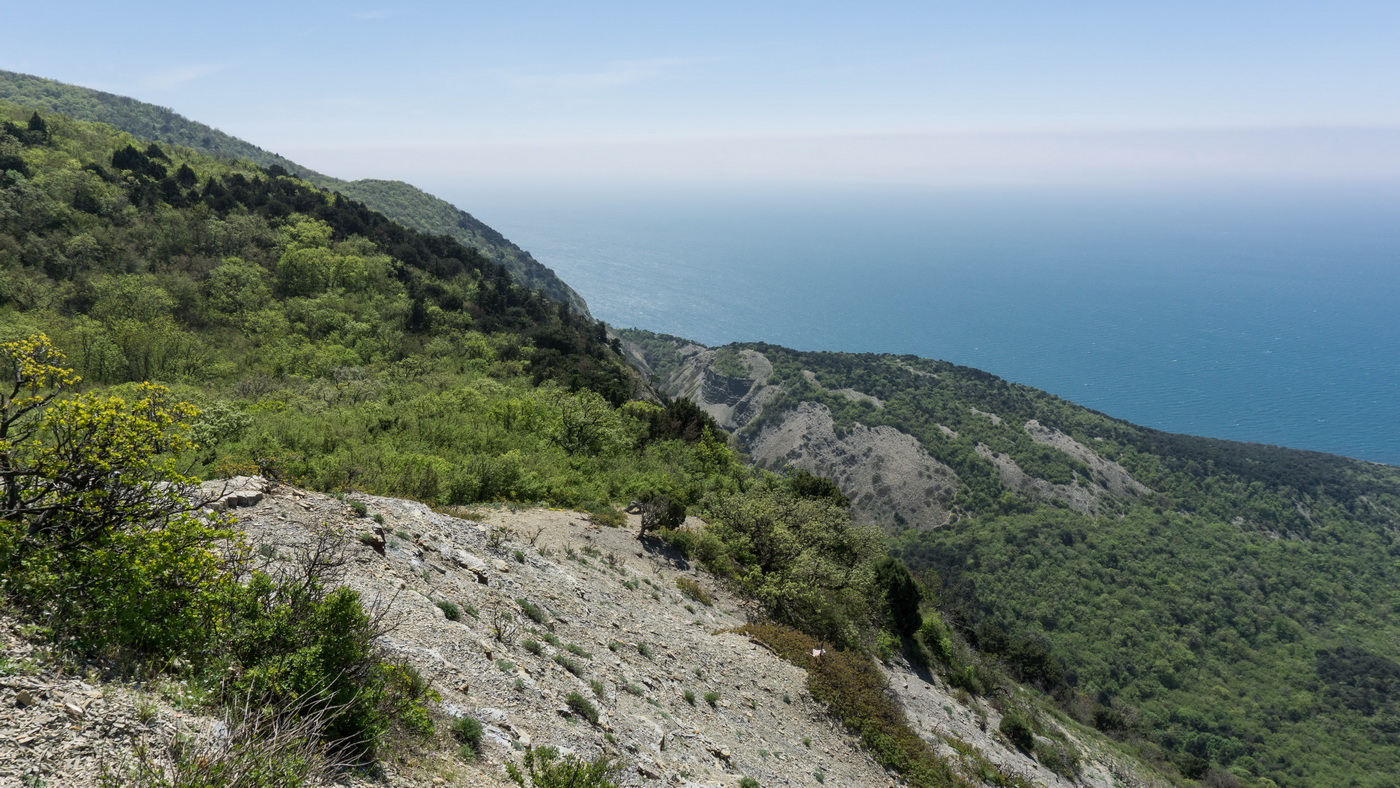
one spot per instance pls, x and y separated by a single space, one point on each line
402 202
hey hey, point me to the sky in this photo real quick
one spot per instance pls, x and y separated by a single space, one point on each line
454 95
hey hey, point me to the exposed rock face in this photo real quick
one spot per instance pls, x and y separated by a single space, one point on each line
732 402
888 474
611 598
1079 498
1114 477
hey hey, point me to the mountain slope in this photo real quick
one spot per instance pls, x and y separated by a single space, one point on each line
399 201
1241 599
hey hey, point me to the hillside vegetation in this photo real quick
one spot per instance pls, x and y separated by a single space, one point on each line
1235 604
166 316
397 200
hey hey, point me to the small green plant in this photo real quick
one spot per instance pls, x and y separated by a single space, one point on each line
519 684
749 782
644 650
712 698
820 775
596 686
533 646
583 707
532 611
633 689
689 696
379 519
146 710
468 732
693 590
404 535
569 665
807 742
267 551
450 610
471 610
359 508
787 698
506 666
577 651
519 557
552 639
613 646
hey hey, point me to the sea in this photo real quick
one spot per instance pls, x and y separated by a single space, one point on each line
1266 314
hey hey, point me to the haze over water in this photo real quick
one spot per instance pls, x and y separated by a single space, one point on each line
1267 315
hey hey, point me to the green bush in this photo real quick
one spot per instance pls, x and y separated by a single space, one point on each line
450 610
1016 727
533 611
468 732
712 698
543 768
583 707
532 646
693 590
568 664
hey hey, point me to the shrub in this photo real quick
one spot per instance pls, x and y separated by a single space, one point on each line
606 515
1059 758
450 610
583 707
577 651
544 769
468 732
712 698
1016 727
533 646
693 590
853 688
569 664
533 611
644 650
597 687
689 696
748 782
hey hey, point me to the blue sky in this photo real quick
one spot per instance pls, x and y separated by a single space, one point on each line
648 93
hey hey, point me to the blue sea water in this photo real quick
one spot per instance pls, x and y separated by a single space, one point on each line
1266 315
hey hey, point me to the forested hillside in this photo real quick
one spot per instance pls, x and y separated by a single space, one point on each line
399 201
1235 603
167 316
324 342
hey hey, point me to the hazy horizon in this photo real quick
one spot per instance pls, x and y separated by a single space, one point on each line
617 96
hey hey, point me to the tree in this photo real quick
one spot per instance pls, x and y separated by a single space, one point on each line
75 469
97 530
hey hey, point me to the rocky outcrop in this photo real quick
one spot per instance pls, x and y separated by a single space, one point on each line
888 475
